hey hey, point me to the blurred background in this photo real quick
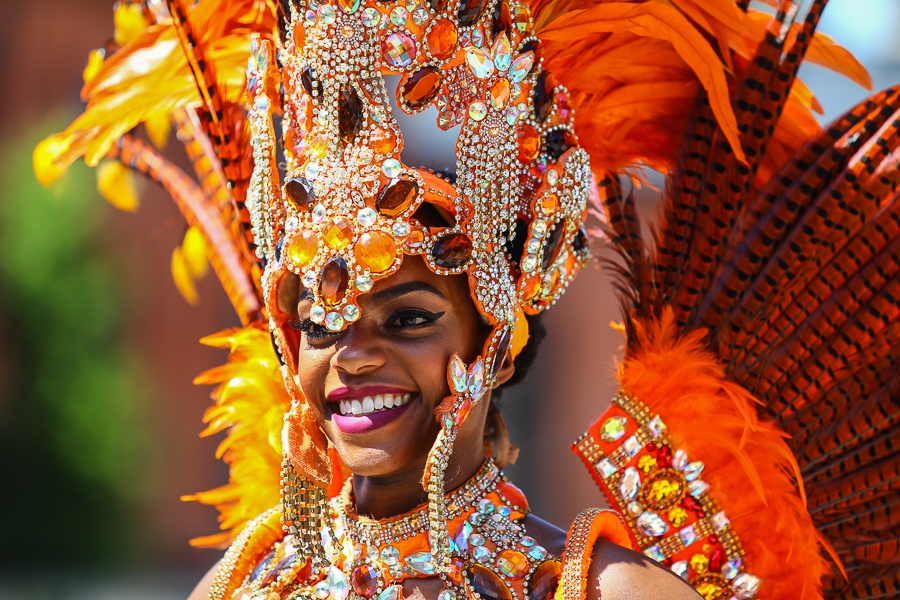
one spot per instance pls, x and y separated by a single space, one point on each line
99 420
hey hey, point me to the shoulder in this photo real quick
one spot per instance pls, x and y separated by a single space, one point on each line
201 592
618 573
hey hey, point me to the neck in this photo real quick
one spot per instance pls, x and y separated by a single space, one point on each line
383 497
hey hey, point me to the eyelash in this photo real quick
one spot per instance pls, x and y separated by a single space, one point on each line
315 331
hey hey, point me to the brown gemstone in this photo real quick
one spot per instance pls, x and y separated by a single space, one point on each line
334 280
529 143
396 197
420 88
543 95
502 22
553 244
488 585
437 5
364 580
350 114
581 241
288 293
500 351
300 192
452 251
442 38
375 251
310 83
557 142
470 11
545 580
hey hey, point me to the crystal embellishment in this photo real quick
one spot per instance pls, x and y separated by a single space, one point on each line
479 62
398 49
651 524
338 585
630 484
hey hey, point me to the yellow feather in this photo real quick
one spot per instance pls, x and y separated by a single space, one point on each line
182 277
117 185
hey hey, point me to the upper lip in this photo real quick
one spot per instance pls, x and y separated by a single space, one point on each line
361 392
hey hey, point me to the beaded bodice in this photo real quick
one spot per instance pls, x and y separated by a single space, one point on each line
491 555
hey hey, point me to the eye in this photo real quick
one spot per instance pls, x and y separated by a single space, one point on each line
412 318
312 330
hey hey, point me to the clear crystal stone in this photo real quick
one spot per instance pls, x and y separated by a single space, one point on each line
364 283
630 484
316 314
651 524
681 568
680 459
366 217
338 586
479 62
390 555
351 314
501 53
458 374
745 585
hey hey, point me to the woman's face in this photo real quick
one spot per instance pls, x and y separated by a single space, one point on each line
376 384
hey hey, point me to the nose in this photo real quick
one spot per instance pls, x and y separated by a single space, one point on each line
359 351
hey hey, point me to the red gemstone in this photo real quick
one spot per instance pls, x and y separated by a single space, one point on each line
545 581
452 251
692 504
364 580
716 559
664 457
334 280
487 584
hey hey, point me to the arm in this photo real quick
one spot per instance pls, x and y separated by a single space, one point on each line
617 573
201 592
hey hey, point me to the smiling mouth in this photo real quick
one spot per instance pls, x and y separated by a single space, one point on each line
367 405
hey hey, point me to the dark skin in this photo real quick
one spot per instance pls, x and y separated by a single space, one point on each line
411 325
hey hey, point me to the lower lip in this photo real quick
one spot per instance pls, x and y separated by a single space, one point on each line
364 423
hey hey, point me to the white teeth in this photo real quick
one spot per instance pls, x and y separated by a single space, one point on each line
370 404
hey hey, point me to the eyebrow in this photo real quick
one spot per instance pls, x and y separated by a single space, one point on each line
403 289
391 293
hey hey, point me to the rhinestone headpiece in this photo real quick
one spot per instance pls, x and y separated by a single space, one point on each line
348 207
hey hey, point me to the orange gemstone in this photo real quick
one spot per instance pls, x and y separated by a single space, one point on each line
333 281
549 204
415 240
419 88
375 251
442 38
513 564
317 146
529 143
382 140
531 288
302 248
455 571
500 94
299 34
339 233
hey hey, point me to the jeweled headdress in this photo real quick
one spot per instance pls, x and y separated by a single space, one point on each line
360 133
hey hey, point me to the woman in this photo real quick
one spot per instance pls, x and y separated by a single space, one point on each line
399 260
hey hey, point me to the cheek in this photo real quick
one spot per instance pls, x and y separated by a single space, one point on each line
312 372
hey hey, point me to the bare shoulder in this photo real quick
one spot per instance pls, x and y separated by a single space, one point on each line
201 592
618 573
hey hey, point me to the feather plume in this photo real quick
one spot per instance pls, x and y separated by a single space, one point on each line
250 404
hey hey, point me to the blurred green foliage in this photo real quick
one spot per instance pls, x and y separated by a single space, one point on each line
73 440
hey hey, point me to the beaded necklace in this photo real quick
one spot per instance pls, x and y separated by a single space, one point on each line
491 556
